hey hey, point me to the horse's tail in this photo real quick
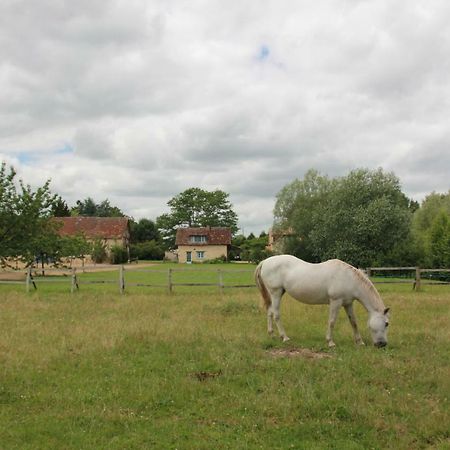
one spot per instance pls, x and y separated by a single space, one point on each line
262 287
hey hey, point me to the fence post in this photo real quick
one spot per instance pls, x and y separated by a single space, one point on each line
169 280
417 281
220 281
28 280
369 272
121 279
74 281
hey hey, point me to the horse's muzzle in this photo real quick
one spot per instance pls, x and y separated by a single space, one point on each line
380 344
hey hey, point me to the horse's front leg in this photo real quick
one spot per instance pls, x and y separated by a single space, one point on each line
352 319
334 309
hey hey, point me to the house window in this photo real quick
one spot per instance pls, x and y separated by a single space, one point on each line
200 255
198 239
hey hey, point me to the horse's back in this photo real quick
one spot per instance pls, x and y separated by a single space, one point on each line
307 282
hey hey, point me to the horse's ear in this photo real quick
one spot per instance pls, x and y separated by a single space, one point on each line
386 311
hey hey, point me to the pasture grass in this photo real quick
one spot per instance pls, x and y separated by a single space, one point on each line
97 370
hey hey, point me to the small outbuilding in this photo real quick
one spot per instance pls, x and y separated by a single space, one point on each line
200 244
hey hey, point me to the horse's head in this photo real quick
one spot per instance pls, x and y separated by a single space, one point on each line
378 325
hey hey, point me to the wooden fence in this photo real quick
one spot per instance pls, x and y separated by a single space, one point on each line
71 276
417 281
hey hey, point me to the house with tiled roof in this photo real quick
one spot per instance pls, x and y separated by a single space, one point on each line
199 244
110 230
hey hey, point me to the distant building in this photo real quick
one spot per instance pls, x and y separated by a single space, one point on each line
111 231
277 239
199 244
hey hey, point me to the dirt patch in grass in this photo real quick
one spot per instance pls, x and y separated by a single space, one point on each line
204 376
298 353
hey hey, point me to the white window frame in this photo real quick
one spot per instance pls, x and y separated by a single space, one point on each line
198 239
200 254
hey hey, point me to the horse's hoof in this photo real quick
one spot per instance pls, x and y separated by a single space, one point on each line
360 343
331 344
285 339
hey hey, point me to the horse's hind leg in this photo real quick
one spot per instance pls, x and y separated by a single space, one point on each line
269 321
275 312
352 319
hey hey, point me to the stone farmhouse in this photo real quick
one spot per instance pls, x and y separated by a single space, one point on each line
110 230
199 244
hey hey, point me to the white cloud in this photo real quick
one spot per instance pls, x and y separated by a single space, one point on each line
136 101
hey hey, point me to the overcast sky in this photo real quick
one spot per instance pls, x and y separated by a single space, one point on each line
138 100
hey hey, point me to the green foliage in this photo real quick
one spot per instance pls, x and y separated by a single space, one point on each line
75 246
119 255
220 260
149 250
425 218
99 254
25 230
234 252
238 240
196 207
299 207
359 218
89 208
431 207
439 241
60 208
144 230
254 249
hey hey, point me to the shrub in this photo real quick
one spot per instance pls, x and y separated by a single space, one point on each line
220 260
99 253
147 250
119 255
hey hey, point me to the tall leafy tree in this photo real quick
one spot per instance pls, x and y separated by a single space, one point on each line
430 208
60 208
427 227
298 207
196 207
105 209
144 230
439 241
359 218
25 230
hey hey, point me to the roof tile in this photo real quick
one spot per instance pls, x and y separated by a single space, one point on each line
214 235
94 227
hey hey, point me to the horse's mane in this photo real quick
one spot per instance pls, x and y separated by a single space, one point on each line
364 279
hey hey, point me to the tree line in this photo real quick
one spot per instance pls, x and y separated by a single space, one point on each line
363 218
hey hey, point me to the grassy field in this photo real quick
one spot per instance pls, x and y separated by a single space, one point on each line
195 370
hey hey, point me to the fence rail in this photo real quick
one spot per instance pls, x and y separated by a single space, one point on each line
418 279
71 276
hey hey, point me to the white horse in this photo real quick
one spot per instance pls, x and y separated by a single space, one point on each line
334 282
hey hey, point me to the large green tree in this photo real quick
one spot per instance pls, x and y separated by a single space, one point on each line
196 207
60 208
144 230
25 230
428 229
439 241
359 218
